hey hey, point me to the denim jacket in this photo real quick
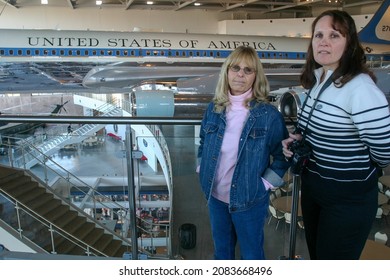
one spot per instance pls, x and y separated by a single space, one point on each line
260 142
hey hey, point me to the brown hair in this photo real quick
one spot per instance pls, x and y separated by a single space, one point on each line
353 60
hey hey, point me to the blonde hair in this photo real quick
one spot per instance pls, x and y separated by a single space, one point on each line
260 86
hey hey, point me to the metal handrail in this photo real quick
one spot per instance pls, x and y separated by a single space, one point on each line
50 226
69 175
101 120
104 120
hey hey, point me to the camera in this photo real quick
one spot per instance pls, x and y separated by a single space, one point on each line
301 156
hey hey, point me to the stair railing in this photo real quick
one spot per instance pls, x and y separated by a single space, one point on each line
24 213
30 151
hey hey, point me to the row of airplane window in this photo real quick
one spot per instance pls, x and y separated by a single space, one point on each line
138 53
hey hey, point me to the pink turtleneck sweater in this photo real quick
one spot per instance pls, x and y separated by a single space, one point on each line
236 115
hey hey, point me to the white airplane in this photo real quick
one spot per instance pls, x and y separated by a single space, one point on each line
213 49
128 59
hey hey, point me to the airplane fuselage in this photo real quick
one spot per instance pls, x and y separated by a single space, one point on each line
53 45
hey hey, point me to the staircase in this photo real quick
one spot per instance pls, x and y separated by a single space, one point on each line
52 145
61 228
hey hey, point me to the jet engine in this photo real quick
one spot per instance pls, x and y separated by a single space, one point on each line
290 103
152 103
167 103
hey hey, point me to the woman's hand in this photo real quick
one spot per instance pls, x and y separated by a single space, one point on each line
286 143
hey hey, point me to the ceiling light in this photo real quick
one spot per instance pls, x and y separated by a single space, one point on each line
44 2
149 2
197 4
98 3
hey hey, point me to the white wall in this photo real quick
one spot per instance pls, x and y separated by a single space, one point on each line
111 19
12 243
194 21
278 27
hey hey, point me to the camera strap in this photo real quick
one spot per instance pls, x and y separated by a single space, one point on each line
325 86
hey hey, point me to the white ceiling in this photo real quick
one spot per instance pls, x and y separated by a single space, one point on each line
289 8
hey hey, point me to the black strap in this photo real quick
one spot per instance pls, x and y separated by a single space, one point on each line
325 86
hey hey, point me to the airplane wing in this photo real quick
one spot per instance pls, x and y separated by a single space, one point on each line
130 76
187 78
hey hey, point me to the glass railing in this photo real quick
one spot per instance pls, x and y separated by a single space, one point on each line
39 231
100 191
91 173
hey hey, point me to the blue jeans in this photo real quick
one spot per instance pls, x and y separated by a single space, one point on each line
246 227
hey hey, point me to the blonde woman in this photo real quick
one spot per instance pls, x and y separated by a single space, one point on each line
239 135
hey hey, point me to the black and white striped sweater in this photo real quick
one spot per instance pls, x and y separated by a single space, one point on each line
349 129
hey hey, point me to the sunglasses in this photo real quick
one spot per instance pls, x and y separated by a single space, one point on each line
247 70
